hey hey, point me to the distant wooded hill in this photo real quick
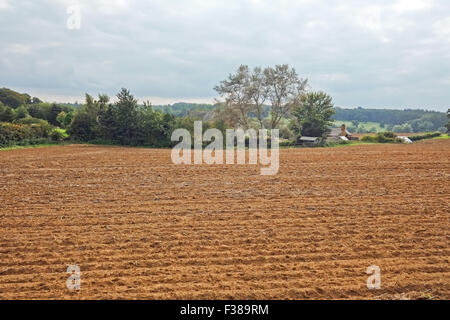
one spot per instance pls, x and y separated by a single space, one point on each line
388 116
181 109
418 120
397 120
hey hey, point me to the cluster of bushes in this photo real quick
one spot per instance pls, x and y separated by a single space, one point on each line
425 136
128 123
287 143
382 137
24 134
336 143
28 121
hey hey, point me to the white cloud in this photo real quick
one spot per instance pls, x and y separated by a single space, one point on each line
4 4
442 29
412 5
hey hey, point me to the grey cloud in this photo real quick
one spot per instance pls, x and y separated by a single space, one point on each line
378 53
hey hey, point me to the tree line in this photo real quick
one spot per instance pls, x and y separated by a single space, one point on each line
273 97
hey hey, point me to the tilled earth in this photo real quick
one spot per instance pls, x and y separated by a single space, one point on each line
140 227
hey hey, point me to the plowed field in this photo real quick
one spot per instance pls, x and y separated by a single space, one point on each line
139 226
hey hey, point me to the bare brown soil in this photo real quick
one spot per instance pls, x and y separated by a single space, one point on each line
140 227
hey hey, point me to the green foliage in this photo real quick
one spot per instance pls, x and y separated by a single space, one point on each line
388 134
286 143
58 134
313 113
7 114
382 137
21 113
403 120
337 143
54 111
31 120
48 111
405 128
125 113
21 134
84 125
65 119
387 116
35 100
124 122
182 109
425 136
13 99
40 110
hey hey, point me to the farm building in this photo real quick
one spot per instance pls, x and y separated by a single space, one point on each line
309 141
340 134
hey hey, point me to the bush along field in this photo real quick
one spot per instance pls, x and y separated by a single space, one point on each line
382 137
390 137
425 136
387 137
25 134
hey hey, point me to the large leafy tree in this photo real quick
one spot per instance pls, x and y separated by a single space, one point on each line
85 124
235 90
258 91
246 92
154 127
313 112
54 111
284 88
125 113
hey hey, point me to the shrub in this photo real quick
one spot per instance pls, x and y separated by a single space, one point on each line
31 120
287 143
368 139
382 137
337 143
387 134
21 134
84 126
425 136
58 134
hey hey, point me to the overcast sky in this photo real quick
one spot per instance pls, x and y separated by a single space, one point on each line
378 53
